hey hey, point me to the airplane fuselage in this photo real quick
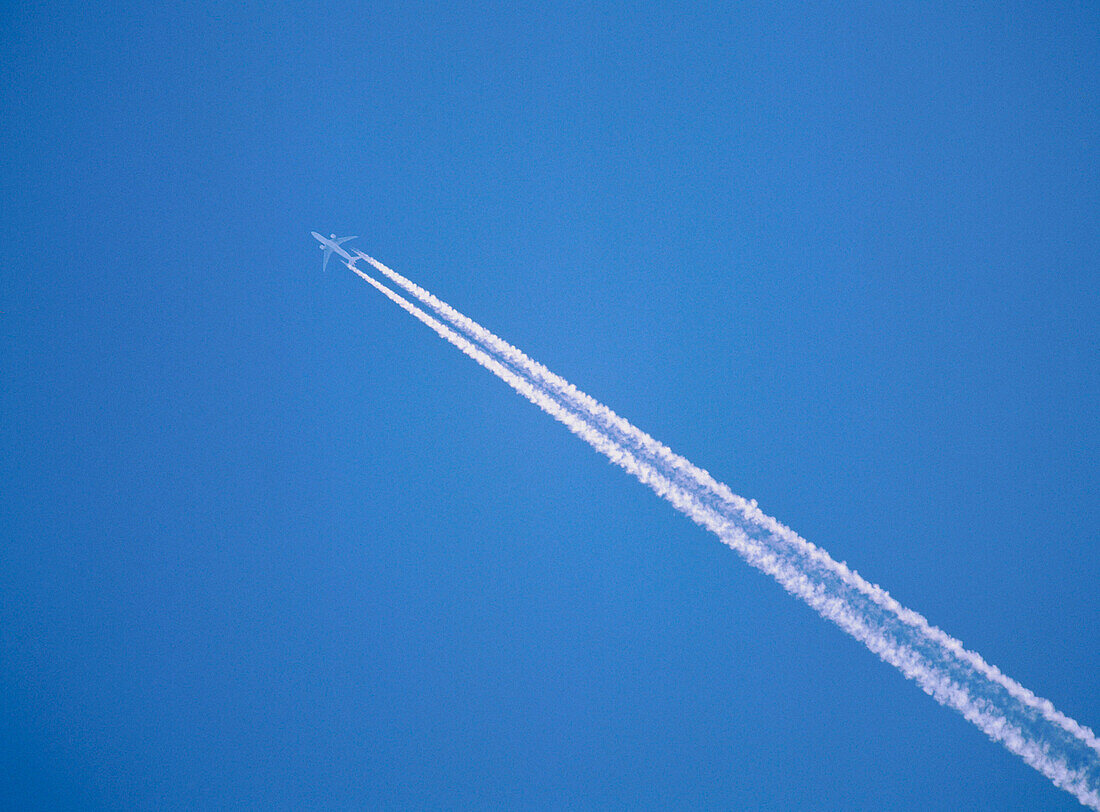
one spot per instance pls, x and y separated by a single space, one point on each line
333 246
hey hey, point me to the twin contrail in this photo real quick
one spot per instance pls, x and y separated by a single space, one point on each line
1057 746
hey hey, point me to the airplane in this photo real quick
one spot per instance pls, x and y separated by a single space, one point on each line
332 244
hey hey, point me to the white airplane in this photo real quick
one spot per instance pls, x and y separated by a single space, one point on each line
331 245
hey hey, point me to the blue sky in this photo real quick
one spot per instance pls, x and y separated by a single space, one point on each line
270 543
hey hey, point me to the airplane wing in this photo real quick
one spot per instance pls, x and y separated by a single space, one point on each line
343 240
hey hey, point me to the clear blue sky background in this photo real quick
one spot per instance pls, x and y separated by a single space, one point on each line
267 542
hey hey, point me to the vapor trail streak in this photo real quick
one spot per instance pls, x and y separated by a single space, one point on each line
743 508
1060 748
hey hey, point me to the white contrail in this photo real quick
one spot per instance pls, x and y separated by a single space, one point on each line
1060 748
746 509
